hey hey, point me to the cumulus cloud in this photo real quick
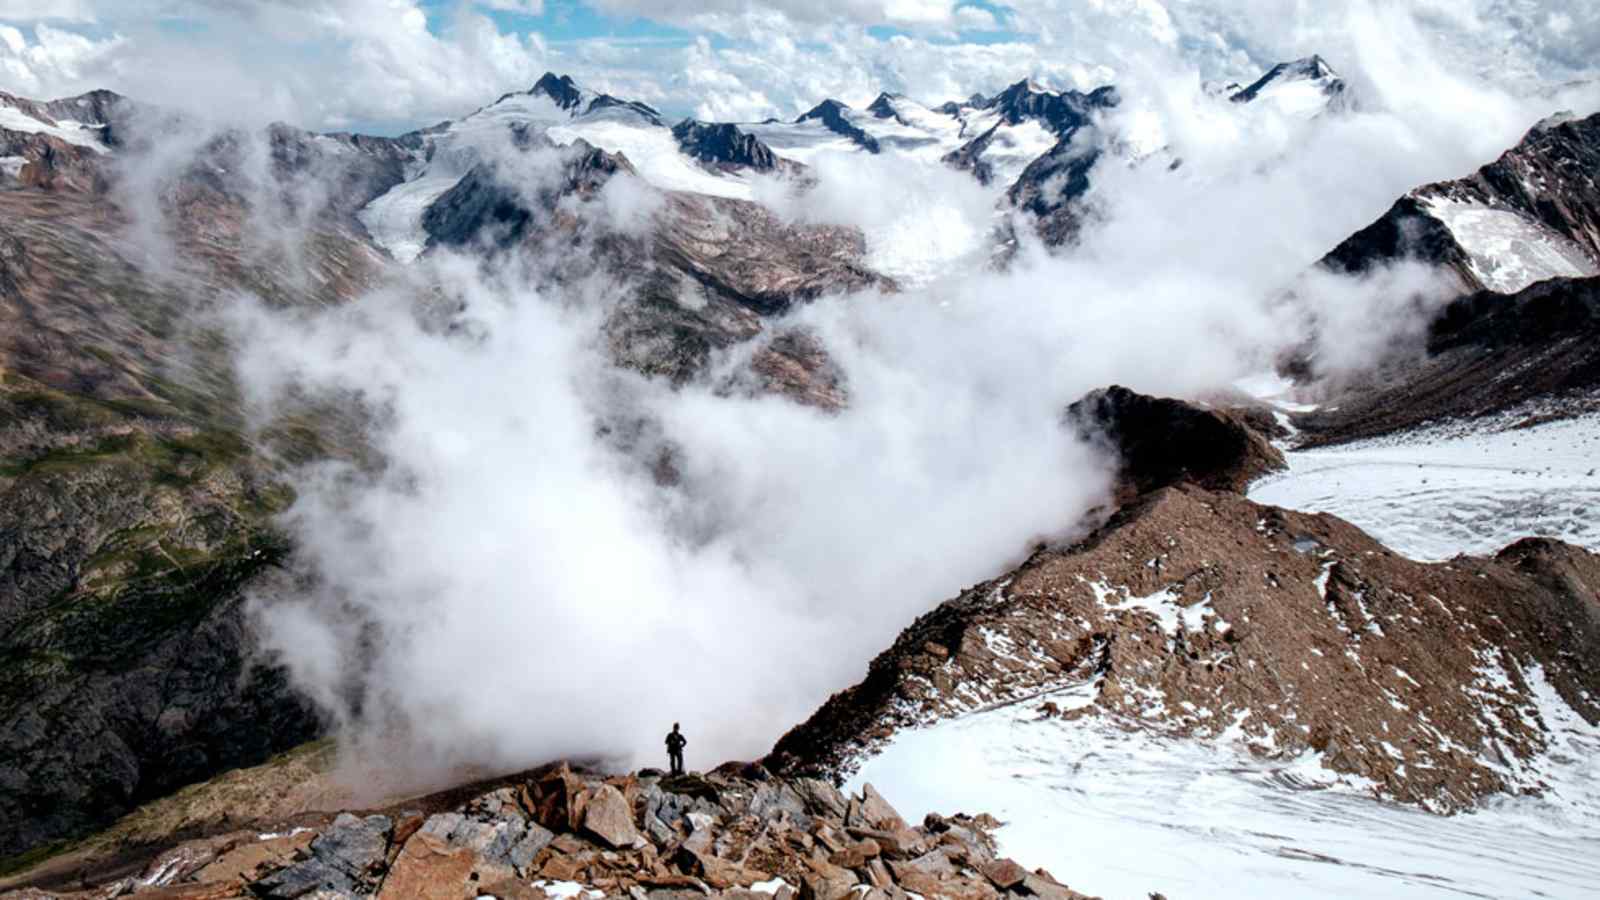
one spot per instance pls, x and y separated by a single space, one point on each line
396 64
325 64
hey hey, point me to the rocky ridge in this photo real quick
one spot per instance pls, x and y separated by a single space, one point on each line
1197 613
1528 216
735 833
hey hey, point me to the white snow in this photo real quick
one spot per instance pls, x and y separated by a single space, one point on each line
654 153
566 890
1433 494
1014 146
72 132
395 219
11 166
770 887
1508 252
1301 98
1123 813
801 141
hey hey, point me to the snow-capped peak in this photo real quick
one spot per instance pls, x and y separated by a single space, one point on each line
884 106
575 100
1302 87
1310 68
562 89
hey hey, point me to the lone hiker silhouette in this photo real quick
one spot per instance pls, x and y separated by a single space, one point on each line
675 743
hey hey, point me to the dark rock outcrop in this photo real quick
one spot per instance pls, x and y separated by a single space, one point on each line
560 88
1548 334
831 113
1162 441
723 145
1547 181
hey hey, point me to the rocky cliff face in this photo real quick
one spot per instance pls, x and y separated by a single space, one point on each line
724 145
1534 354
831 114
706 273
1161 441
1530 215
133 510
1198 613
736 833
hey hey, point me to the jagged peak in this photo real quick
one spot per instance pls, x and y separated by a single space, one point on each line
826 109
884 106
560 88
1308 68
1025 86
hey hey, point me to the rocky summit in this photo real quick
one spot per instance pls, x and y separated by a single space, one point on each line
737 833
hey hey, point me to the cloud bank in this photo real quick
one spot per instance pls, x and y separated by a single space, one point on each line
397 64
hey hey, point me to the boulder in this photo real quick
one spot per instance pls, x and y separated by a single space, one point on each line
1004 873
357 847
428 868
608 817
304 877
877 813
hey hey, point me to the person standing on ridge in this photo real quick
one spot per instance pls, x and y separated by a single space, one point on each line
675 744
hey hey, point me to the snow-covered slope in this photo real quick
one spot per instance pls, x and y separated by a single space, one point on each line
1123 813
555 109
1438 492
995 137
1303 88
28 117
1507 250
1531 215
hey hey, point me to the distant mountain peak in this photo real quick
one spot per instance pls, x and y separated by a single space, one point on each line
828 107
1060 111
721 143
833 115
883 107
1312 68
560 88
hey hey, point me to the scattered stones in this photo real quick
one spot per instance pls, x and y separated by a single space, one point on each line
737 834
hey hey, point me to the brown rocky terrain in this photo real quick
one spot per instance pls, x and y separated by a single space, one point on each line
1536 352
1196 612
134 507
737 833
1162 441
706 275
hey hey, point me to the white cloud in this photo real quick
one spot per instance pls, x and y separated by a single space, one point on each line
319 63
338 63
527 7
975 18
52 10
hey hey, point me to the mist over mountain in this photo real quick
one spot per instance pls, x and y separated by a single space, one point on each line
371 503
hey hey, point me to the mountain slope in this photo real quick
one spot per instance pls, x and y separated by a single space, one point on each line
1199 614
1530 215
